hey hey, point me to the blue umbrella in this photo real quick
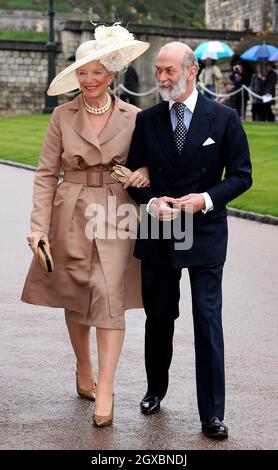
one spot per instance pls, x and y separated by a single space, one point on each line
259 52
274 57
213 50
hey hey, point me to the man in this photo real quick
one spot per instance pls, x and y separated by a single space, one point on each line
187 141
269 85
256 86
240 76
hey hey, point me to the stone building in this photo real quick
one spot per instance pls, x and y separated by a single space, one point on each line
241 15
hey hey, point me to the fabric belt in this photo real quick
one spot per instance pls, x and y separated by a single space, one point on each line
92 177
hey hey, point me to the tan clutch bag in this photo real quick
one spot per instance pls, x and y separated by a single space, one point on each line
121 173
45 258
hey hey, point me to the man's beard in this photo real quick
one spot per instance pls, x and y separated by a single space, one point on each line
178 89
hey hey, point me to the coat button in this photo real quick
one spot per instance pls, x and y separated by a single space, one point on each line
159 170
203 170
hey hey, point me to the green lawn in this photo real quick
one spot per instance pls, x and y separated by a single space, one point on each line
262 197
39 5
11 35
23 136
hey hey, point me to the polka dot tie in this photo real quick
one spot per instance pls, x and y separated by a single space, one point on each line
181 130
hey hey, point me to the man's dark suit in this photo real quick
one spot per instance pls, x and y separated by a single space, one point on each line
198 169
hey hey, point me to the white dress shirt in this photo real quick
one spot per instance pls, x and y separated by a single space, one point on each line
190 104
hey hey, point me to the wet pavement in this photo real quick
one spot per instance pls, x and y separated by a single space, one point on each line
39 407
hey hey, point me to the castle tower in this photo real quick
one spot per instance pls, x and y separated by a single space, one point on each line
240 15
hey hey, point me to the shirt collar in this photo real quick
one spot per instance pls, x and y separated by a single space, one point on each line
190 102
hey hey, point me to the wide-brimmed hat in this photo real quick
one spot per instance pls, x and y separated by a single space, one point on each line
113 46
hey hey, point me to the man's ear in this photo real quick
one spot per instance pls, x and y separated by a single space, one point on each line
192 73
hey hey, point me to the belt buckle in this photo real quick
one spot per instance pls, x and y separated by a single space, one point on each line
100 176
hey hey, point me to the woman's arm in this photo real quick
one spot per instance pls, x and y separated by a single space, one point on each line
45 184
47 177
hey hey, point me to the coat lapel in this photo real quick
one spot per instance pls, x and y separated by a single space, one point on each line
117 122
79 121
81 124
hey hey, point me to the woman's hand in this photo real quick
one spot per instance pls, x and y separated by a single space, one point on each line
139 178
34 238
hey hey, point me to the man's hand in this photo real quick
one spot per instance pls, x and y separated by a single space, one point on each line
161 209
191 202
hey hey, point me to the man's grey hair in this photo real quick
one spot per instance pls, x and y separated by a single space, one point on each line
189 59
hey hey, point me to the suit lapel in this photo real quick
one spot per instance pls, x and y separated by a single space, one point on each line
196 135
199 125
198 132
164 132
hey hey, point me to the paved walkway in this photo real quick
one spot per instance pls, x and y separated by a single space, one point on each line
39 407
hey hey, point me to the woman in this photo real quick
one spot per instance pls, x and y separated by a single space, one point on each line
95 278
211 78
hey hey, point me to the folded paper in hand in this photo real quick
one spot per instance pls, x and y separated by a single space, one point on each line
267 98
121 173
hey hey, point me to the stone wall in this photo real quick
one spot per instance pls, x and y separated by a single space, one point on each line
238 15
23 77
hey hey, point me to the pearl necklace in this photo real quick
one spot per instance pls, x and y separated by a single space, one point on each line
101 110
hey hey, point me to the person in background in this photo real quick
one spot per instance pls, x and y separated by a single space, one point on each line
131 83
211 78
239 77
269 85
229 100
256 86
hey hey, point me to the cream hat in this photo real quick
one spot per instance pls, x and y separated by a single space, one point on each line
113 46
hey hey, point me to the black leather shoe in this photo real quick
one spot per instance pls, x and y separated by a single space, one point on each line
150 404
214 427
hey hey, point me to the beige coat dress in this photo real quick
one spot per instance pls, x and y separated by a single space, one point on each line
95 278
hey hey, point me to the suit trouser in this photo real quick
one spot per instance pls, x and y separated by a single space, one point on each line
161 293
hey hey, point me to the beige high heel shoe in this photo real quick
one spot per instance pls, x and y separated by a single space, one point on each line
88 394
101 421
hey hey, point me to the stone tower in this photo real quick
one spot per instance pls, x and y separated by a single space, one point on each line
241 15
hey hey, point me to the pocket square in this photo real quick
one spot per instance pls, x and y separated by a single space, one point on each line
209 141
